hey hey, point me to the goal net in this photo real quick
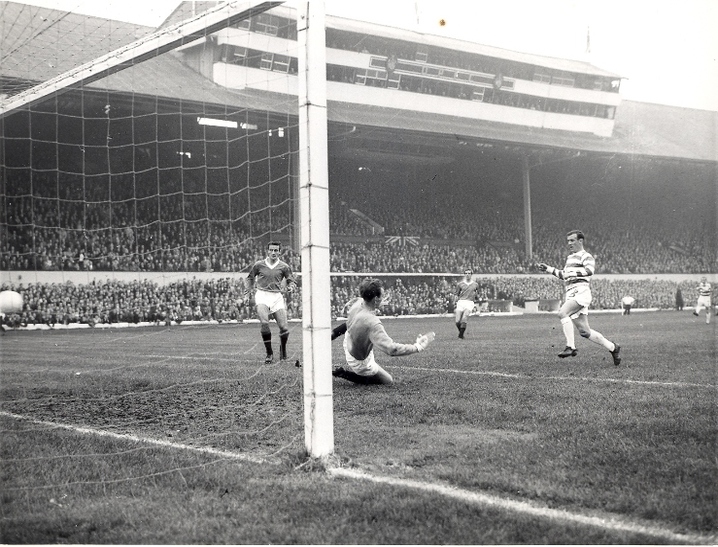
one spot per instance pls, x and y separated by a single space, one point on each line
154 168
143 172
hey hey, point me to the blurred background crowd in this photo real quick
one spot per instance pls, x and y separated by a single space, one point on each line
144 301
442 240
418 233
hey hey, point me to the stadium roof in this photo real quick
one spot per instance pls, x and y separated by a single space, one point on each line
37 44
188 9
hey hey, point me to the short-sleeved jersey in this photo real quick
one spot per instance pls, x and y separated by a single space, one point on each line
704 289
364 331
266 277
467 290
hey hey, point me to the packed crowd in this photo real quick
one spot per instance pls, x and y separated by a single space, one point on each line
222 300
220 246
191 233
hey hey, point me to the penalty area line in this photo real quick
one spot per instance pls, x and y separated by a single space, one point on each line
562 378
134 438
609 522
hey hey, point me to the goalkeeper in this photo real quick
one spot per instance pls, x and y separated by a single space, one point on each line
364 331
576 274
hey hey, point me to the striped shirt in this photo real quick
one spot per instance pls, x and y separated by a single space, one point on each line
704 289
268 277
578 269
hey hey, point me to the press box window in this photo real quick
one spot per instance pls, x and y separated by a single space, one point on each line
559 80
281 63
266 62
238 56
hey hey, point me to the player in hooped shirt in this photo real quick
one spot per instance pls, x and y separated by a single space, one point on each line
704 299
266 276
580 266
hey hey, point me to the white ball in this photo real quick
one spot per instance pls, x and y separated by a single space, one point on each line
10 302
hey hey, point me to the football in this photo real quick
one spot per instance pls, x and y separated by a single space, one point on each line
10 302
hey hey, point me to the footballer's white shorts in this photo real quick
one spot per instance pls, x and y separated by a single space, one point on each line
273 300
703 302
581 294
365 367
465 306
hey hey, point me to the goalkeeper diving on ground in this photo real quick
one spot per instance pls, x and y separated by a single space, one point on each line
364 331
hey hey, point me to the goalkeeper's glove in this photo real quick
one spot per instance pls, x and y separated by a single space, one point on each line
423 340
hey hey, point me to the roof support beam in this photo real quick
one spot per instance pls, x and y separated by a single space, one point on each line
148 47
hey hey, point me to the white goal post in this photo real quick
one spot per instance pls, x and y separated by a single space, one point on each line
313 174
314 218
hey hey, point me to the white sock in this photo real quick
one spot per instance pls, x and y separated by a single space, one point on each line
598 338
568 332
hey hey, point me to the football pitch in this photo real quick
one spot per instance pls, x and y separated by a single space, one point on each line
182 435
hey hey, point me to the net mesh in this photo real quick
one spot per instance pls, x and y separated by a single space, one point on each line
111 178
163 187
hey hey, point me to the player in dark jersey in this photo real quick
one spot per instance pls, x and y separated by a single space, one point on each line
266 278
466 292
576 275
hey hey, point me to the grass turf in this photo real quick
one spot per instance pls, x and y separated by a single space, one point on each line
496 413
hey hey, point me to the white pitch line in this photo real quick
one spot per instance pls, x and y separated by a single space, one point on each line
609 522
572 378
134 438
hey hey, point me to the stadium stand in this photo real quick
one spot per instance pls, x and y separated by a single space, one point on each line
145 302
645 197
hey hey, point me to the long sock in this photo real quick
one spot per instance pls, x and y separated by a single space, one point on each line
568 332
283 337
267 337
462 329
598 338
